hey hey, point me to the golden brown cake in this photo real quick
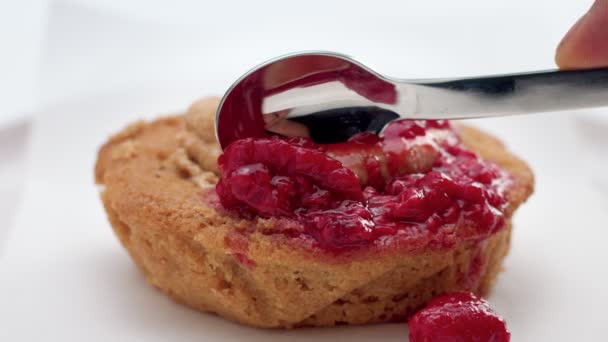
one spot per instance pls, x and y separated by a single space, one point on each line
159 193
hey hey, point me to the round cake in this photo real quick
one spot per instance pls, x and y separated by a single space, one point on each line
280 232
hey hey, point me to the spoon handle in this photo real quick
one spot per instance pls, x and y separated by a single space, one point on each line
500 95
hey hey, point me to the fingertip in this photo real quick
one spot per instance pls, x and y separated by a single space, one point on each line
586 44
564 54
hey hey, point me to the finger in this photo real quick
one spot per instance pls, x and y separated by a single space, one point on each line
586 44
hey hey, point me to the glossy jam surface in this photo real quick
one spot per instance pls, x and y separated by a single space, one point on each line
458 317
415 185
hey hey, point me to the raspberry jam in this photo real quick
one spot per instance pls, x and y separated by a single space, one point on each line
415 186
458 317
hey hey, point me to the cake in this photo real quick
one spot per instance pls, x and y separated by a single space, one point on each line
345 239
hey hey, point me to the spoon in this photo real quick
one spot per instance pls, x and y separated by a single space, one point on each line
330 97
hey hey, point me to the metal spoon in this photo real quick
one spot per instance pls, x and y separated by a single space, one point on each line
330 97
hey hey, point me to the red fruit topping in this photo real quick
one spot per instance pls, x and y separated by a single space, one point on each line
408 129
415 185
365 138
458 317
255 161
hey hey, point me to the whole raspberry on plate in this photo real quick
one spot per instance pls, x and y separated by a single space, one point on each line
458 317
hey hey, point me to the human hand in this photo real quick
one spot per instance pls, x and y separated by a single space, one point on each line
586 44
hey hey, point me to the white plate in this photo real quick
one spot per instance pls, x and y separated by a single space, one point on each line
12 165
64 276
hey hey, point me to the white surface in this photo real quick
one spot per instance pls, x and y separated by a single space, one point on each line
22 26
65 277
13 139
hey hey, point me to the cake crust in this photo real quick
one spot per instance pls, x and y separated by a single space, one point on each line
159 195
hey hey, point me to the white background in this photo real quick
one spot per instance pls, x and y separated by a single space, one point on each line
72 71
57 49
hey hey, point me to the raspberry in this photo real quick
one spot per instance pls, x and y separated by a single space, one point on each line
458 317
408 129
416 188
282 157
